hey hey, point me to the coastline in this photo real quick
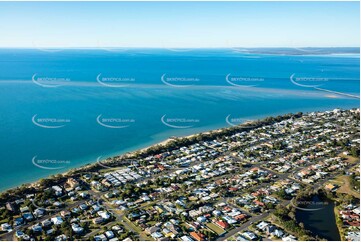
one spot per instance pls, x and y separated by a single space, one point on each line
221 147
136 151
111 158
83 140
125 154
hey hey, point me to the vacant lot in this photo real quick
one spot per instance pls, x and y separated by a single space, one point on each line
345 187
215 228
350 159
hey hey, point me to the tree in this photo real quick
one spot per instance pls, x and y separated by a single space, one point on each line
281 194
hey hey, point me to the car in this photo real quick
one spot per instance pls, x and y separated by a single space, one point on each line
19 234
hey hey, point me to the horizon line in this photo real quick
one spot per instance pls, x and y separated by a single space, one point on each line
178 47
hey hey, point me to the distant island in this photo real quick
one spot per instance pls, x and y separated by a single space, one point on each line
300 51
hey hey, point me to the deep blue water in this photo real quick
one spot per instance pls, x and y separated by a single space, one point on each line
63 85
320 219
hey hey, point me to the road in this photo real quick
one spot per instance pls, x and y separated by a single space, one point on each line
119 216
258 218
242 227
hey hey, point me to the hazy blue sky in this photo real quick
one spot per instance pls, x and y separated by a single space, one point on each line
179 24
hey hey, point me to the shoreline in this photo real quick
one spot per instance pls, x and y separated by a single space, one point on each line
339 227
136 152
132 150
108 160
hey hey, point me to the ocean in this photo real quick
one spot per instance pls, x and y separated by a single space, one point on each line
61 109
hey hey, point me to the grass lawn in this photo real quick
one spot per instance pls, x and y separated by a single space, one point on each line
151 223
132 225
345 187
110 169
3 221
136 229
339 223
234 237
215 228
350 159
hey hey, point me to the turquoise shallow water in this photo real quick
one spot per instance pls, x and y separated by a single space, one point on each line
73 90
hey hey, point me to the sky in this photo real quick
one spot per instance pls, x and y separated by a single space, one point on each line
179 24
